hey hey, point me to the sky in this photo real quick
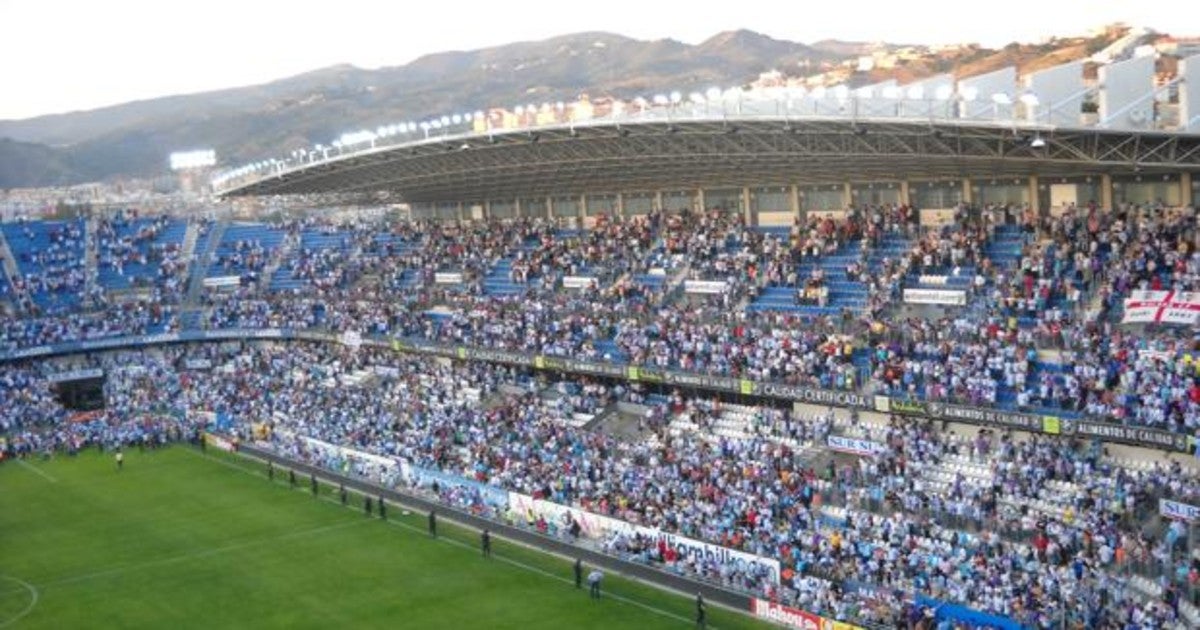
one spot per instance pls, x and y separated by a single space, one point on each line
60 55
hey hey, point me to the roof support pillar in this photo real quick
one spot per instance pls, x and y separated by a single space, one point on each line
794 200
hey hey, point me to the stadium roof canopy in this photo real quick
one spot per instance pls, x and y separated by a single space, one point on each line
603 157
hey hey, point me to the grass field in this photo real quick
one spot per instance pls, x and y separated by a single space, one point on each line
180 539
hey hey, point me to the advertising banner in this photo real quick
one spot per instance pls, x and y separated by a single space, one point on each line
578 282
704 286
785 615
1178 511
944 297
855 446
425 478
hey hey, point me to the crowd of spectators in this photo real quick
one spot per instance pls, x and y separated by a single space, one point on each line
1036 529
1040 334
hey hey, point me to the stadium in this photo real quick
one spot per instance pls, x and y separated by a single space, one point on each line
889 356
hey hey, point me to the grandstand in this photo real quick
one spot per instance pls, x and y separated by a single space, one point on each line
977 393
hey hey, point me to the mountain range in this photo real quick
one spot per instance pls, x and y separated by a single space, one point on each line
251 123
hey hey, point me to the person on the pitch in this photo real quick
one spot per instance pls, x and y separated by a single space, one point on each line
701 612
366 505
313 479
485 543
433 523
342 493
271 471
594 583
578 573
382 508
292 477
120 459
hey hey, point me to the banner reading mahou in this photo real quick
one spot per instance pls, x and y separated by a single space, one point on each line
785 615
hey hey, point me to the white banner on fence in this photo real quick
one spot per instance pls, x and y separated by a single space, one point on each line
524 508
447 277
704 286
352 338
386 469
855 446
223 281
597 526
1179 511
1184 309
1165 307
578 282
947 297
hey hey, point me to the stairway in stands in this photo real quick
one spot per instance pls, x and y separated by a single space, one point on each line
9 274
91 244
207 246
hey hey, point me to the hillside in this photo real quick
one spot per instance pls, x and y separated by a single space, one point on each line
250 123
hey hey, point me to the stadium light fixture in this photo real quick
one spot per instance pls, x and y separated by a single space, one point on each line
969 93
519 110
943 93
445 120
697 98
1029 99
456 119
661 99
819 91
1001 98
676 97
1037 142
916 93
713 93
841 92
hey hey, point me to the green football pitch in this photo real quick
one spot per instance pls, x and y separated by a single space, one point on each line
182 539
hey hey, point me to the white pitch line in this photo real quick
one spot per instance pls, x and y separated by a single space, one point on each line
33 599
38 471
458 543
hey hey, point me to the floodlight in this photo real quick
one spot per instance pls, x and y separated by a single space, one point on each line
943 93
